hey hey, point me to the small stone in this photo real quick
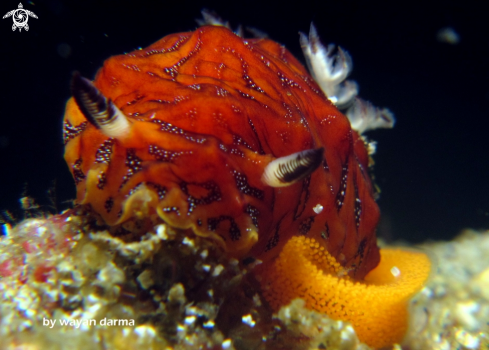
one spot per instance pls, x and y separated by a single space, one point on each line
189 320
145 279
226 344
465 313
467 340
248 319
217 270
177 294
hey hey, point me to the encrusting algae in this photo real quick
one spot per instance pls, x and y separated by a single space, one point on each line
183 294
172 290
376 307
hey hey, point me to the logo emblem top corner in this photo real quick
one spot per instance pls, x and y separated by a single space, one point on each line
20 17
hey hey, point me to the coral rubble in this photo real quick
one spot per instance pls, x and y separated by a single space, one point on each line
61 283
64 282
452 311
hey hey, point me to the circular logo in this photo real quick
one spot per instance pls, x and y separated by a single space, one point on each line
20 17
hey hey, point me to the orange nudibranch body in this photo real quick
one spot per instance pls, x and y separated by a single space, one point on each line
233 138
206 112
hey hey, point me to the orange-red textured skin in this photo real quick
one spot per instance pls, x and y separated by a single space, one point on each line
222 107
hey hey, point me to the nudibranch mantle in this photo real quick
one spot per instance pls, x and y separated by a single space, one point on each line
204 113
233 139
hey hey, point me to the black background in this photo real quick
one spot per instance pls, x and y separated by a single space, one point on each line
432 167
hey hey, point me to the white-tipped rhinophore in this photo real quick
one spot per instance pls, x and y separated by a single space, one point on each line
364 116
99 110
329 69
285 171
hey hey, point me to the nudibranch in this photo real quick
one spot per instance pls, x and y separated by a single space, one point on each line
233 139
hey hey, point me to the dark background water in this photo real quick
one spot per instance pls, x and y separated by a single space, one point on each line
432 168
